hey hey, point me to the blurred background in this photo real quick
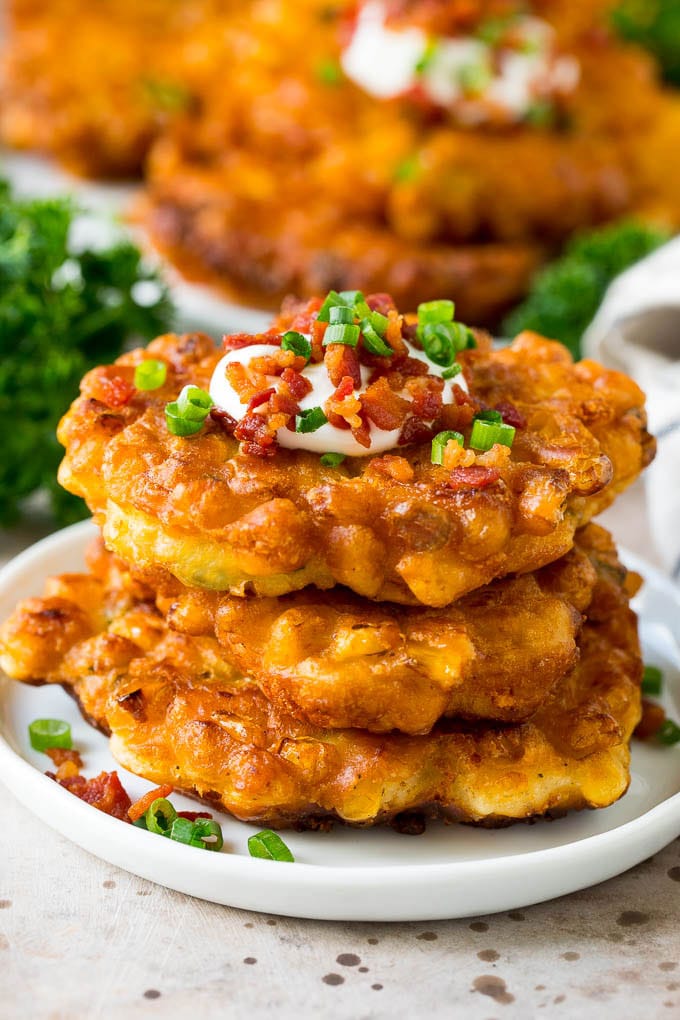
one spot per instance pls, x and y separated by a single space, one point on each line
189 163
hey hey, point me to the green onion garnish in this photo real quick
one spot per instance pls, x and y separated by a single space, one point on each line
341 333
332 459
208 834
44 733
379 322
270 846
652 680
160 816
310 420
332 300
352 297
179 425
373 342
486 434
140 822
435 311
150 374
451 373
669 733
297 343
493 416
437 343
194 403
182 830
339 313
439 444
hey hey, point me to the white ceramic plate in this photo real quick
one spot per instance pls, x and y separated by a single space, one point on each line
359 875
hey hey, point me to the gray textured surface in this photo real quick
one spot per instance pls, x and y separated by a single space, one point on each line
79 938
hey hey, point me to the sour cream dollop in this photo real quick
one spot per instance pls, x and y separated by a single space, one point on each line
388 62
327 438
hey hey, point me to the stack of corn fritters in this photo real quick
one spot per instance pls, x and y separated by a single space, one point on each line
294 642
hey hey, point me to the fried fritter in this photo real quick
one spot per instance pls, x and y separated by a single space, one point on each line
179 714
336 661
395 528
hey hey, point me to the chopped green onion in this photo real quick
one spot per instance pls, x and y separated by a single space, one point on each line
182 830
310 420
208 834
652 680
297 343
339 313
160 816
332 300
493 416
341 333
362 310
270 846
194 403
44 733
379 322
178 424
461 336
332 459
475 78
140 822
486 434
435 311
437 343
352 297
439 444
150 374
669 733
373 342
451 373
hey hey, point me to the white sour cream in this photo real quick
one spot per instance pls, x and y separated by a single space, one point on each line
328 438
383 61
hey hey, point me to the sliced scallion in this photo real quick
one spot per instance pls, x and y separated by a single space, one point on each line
455 369
652 681
44 733
310 420
160 816
373 342
332 459
486 434
269 846
150 374
341 333
435 311
439 444
297 343
339 313
669 733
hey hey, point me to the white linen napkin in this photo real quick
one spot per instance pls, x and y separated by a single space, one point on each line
637 330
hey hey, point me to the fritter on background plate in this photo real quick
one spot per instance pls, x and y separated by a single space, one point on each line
382 453
179 714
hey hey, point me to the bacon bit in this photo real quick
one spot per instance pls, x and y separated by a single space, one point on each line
362 432
456 456
112 390
193 815
473 477
386 409
455 417
415 431
426 393
300 317
224 420
141 806
397 468
341 361
297 384
344 406
383 303
462 398
318 332
412 366
511 415
653 718
259 399
105 792
393 333
236 341
238 379
255 433
59 755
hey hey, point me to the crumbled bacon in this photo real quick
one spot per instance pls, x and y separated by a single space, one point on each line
113 390
141 806
362 431
426 396
385 408
393 335
105 792
224 420
236 341
59 755
344 406
255 433
415 431
297 384
342 361
383 303
511 415
318 332
474 477
192 816
259 399
455 417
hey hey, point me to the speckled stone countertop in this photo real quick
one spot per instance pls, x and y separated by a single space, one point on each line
79 938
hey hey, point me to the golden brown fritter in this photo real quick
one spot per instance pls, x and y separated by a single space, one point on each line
335 661
264 194
94 83
218 518
177 713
